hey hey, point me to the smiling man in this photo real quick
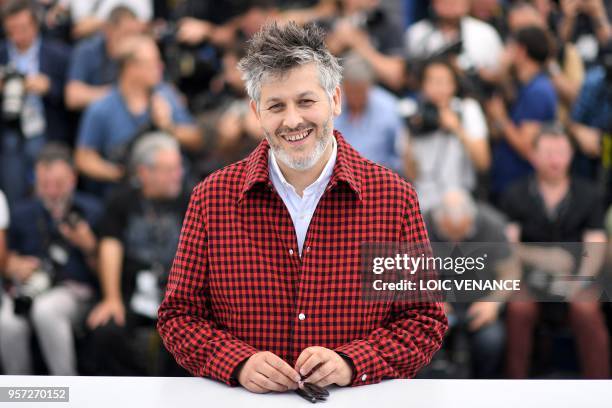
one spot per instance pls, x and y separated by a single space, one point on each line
265 288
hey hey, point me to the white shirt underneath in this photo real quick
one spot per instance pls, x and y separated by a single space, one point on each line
302 208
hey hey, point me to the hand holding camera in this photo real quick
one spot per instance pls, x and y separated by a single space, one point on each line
78 233
21 268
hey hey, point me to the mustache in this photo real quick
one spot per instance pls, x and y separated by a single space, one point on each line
299 128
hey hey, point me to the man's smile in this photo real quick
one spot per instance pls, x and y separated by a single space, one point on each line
297 137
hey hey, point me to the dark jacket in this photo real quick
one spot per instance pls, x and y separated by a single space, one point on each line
53 57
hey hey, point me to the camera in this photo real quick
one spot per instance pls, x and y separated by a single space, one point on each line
421 117
25 292
13 94
190 67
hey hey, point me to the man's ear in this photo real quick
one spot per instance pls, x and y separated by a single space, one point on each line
337 101
253 106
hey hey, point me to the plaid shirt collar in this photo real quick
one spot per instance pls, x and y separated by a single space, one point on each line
344 169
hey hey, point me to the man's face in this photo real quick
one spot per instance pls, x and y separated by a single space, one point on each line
451 10
296 115
455 229
356 94
125 28
55 183
438 84
147 65
552 157
21 29
164 179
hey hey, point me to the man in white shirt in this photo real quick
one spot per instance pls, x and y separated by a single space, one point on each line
450 22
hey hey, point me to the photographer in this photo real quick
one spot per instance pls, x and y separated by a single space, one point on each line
139 235
367 29
139 100
32 85
585 23
448 141
369 121
460 220
449 22
93 66
548 208
49 270
535 102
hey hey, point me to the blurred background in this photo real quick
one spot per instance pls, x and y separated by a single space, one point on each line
499 113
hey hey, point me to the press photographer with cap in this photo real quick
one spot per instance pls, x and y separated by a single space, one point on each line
265 289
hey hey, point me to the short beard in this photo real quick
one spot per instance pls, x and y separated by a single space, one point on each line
303 163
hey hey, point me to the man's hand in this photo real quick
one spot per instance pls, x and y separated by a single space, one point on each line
324 367
161 112
38 84
570 8
482 314
104 311
449 120
265 371
193 31
496 109
594 8
22 267
80 236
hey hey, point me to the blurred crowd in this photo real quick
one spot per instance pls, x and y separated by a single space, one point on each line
499 113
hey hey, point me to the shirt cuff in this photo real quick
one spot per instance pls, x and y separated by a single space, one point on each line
227 358
366 362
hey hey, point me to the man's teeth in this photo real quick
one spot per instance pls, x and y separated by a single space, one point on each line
298 136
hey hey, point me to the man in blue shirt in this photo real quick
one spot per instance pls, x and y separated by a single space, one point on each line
42 117
140 101
370 121
535 103
50 267
93 65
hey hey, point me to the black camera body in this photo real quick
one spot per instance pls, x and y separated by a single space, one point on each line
426 119
13 94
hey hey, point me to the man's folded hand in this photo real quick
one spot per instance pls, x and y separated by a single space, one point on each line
265 371
323 367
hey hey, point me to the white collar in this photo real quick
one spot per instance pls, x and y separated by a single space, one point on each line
321 181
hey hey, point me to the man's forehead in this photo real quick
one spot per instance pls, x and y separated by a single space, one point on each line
297 82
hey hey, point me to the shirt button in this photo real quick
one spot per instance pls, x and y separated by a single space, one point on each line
307 249
364 377
301 316
290 251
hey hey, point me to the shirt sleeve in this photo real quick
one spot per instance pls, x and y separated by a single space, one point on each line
415 329
540 105
584 105
91 129
595 219
473 120
113 220
185 321
180 114
77 69
4 212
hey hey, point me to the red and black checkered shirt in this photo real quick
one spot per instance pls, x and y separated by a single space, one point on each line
238 285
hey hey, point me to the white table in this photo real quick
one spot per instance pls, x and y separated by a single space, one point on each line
154 392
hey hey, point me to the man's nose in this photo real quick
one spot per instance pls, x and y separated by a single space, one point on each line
292 117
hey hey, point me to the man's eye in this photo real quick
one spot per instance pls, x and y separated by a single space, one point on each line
306 102
275 107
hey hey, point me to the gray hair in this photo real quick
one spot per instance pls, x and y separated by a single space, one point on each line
145 149
357 69
276 49
457 204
